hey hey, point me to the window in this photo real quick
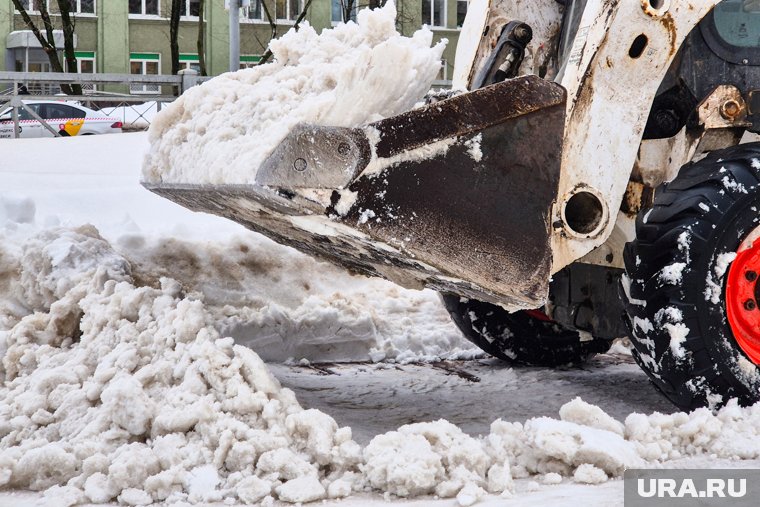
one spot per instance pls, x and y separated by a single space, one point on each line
144 7
23 114
193 7
254 12
32 5
339 8
85 65
287 10
60 112
82 6
189 61
248 61
146 64
737 22
77 6
434 12
461 11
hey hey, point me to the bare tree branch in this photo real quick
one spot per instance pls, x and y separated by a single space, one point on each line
47 43
202 37
174 33
268 54
272 23
68 25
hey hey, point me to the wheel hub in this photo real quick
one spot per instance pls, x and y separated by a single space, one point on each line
743 296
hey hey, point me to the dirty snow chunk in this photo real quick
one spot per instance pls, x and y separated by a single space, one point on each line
552 478
470 494
96 488
672 273
129 406
704 207
252 489
63 496
404 465
500 479
580 412
339 489
575 445
473 148
302 489
201 480
45 466
589 474
221 131
134 496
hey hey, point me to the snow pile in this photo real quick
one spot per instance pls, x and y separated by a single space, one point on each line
347 76
286 305
121 392
117 391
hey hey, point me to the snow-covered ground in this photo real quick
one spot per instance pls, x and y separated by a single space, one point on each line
269 296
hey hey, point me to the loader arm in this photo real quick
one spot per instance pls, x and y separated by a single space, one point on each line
612 68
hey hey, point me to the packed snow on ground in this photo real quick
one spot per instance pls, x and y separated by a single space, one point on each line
347 76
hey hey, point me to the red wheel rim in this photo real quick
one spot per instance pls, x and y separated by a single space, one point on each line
742 291
538 315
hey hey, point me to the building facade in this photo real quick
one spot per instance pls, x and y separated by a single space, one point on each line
132 36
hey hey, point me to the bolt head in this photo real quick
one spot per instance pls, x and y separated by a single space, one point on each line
300 165
730 109
750 305
751 276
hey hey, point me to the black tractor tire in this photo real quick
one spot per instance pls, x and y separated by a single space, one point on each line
675 289
520 337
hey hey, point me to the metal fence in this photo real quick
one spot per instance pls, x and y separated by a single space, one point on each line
130 98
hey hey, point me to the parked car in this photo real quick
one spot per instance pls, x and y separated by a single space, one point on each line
66 118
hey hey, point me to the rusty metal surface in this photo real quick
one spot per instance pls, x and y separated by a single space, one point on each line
471 219
312 156
484 221
466 114
723 108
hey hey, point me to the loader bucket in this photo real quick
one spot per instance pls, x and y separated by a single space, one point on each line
455 196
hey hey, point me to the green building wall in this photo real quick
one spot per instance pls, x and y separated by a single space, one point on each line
6 25
112 35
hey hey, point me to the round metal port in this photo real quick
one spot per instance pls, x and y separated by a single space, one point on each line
584 214
655 8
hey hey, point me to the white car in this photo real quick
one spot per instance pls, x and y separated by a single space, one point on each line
66 118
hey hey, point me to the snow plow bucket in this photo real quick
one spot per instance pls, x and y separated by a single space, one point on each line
455 196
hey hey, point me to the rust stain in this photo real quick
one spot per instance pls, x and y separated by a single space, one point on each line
637 197
670 26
